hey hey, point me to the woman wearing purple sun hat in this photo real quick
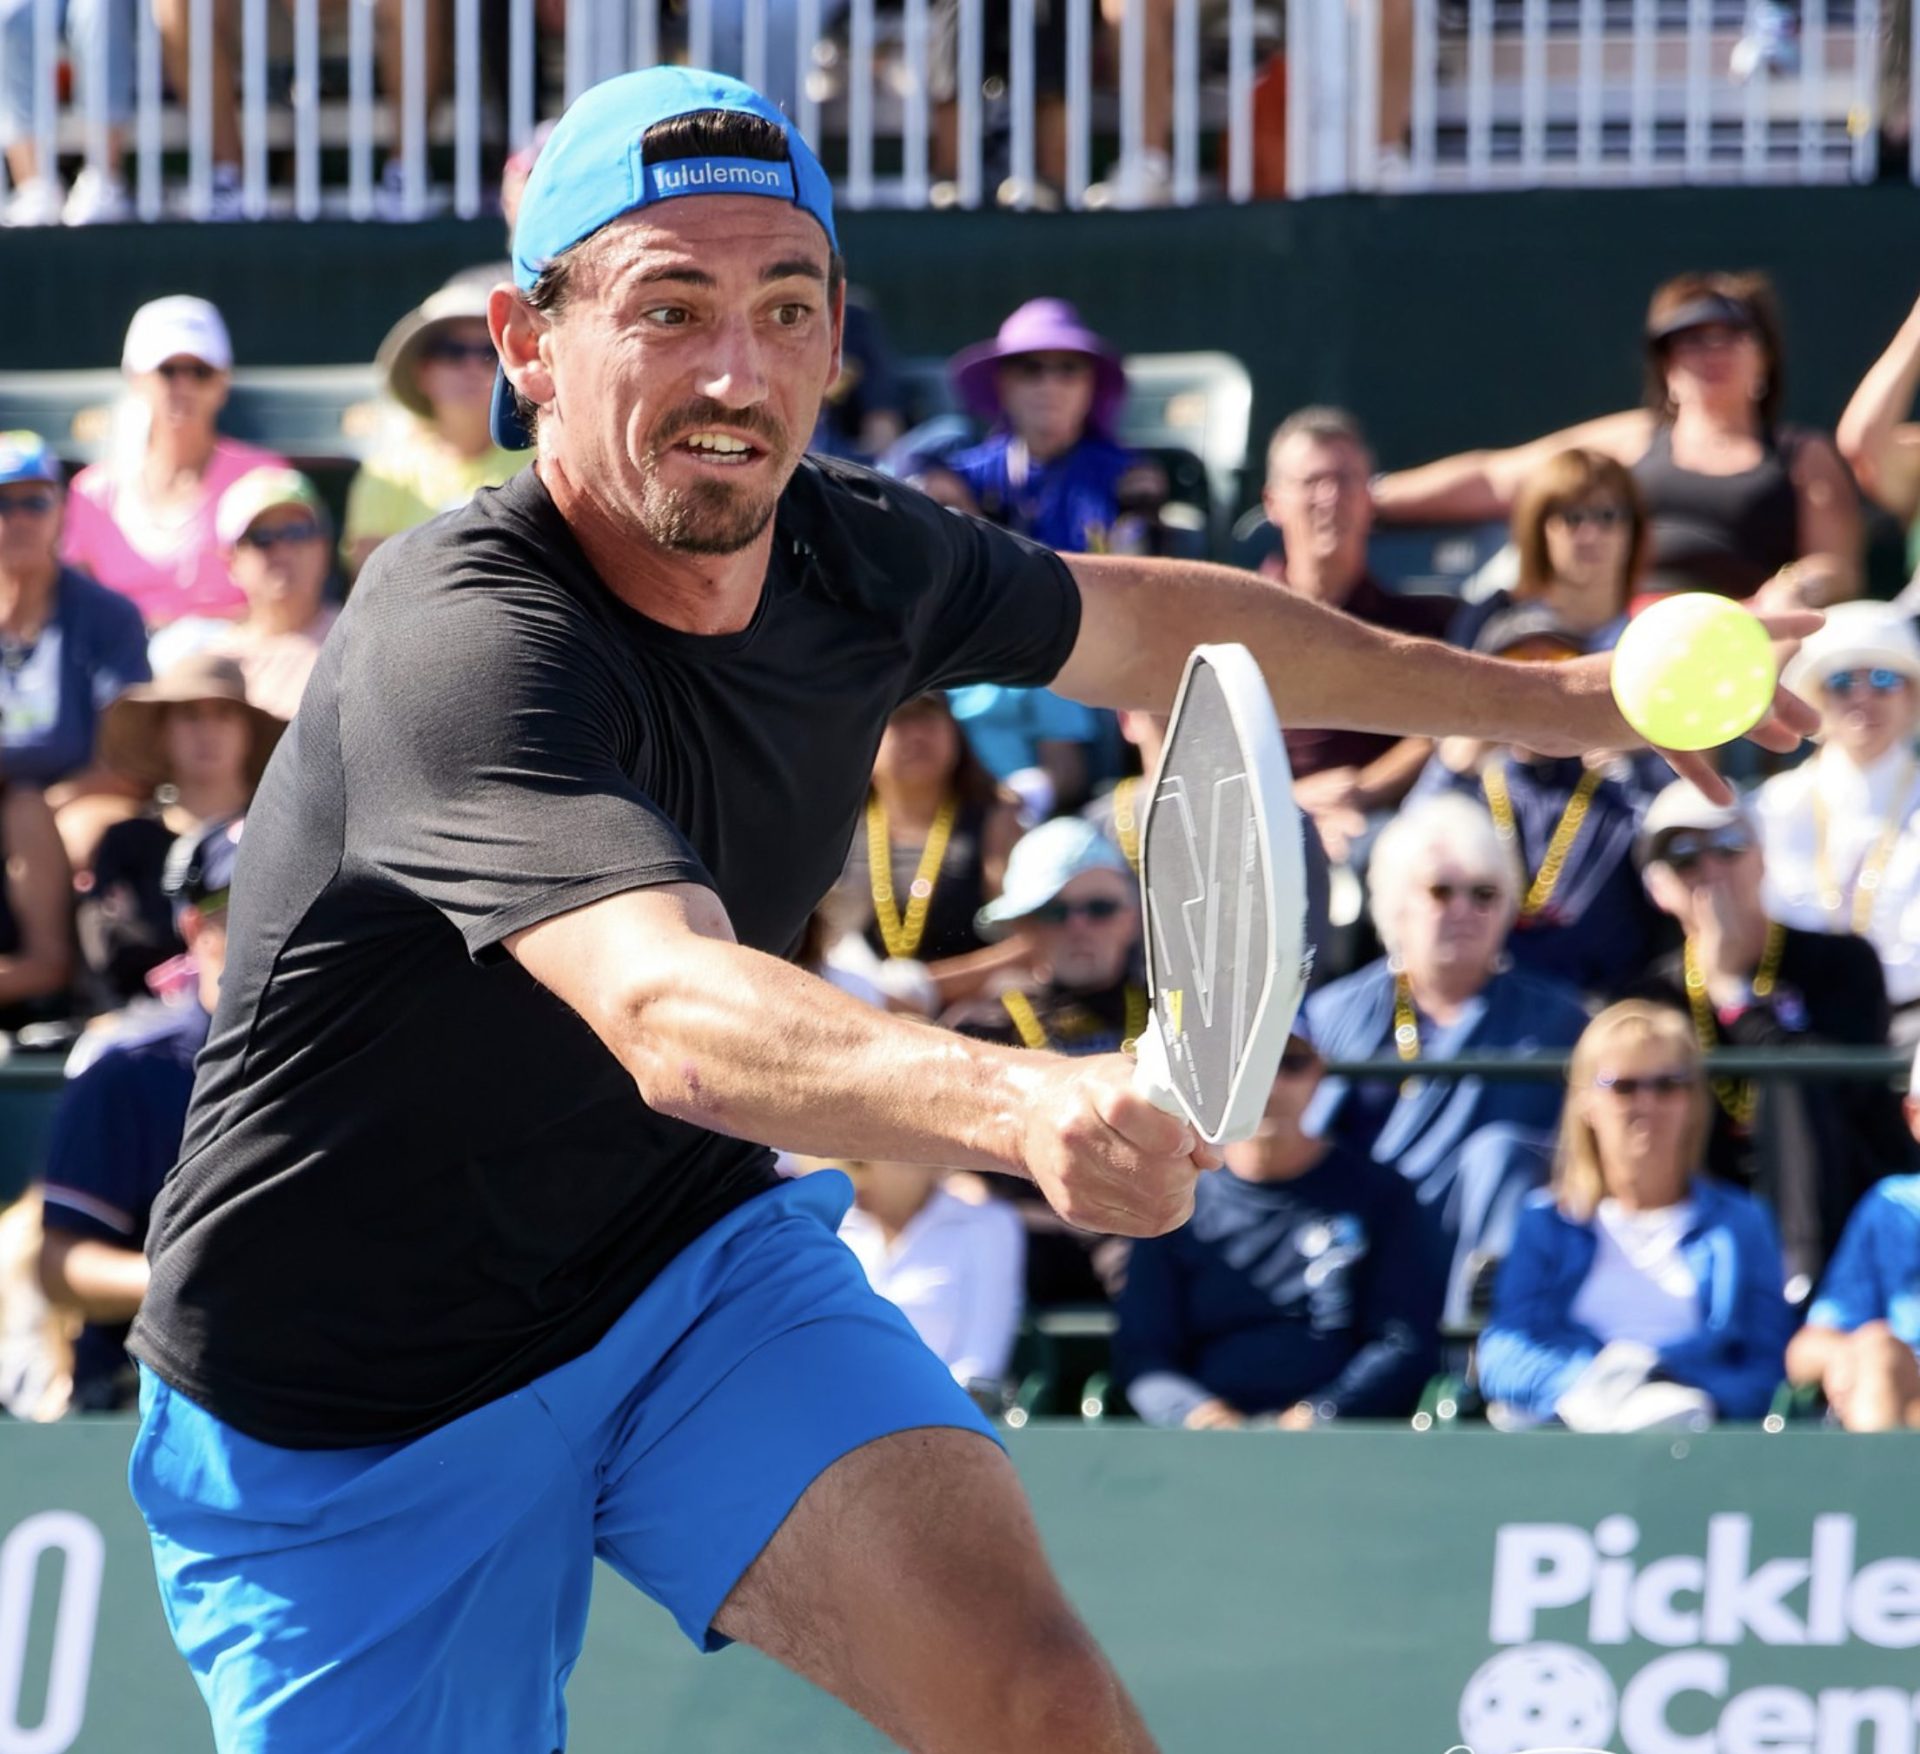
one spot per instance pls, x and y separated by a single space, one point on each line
1051 391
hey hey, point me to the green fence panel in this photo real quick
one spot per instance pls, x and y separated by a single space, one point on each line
1730 1593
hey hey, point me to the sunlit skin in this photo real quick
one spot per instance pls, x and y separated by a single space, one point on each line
1589 559
1864 724
1644 1140
1046 398
1087 955
708 314
283 584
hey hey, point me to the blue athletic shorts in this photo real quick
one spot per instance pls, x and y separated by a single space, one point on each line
432 1596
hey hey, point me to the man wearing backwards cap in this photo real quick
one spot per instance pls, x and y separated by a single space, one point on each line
474 1263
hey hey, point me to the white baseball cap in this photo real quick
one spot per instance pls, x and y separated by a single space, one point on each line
169 327
1856 636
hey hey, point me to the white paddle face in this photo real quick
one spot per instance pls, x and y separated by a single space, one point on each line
1224 893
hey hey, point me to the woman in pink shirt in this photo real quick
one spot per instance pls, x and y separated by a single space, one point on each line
141 520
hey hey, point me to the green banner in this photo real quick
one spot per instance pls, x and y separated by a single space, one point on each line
1733 1593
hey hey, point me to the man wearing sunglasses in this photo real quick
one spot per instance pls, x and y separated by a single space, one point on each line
67 644
1841 832
1810 1148
1071 899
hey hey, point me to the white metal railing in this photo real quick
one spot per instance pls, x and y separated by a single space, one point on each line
404 108
1532 93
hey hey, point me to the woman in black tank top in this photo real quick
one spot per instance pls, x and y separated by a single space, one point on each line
932 847
1737 502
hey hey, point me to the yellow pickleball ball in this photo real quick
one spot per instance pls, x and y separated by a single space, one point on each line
1693 671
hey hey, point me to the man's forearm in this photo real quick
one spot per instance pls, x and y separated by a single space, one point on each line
748 1045
1327 670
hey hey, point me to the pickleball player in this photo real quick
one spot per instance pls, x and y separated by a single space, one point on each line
474 1265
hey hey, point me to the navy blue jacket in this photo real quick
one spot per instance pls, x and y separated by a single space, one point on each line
1324 1288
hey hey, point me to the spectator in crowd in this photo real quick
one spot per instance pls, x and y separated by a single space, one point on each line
953 1266
1072 902
1739 503
932 850
1585 918
36 1339
1639 1291
436 452
68 646
1861 1342
1050 391
1316 497
1881 441
1810 1148
862 414
1071 909
1580 536
1841 832
100 39
274 527
199 749
1445 894
36 909
398 83
1304 1288
118 1131
141 520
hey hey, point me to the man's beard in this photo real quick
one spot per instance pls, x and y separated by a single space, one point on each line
712 517
709 518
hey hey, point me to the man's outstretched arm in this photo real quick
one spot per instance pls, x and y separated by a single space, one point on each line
1140 618
727 1038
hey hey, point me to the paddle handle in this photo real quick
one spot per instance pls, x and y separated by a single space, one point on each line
1152 1076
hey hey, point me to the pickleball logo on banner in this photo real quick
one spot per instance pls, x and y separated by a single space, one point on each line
1735 1638
1539 1696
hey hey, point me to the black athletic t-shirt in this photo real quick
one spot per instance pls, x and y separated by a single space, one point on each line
412 1178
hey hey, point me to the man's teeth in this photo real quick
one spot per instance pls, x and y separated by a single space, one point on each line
720 442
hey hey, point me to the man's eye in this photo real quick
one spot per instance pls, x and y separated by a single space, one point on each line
667 316
792 316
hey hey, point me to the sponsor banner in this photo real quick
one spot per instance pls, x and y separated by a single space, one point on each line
1465 1593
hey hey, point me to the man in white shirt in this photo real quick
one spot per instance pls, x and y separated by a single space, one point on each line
1842 832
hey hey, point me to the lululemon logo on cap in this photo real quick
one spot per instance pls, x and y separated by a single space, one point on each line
719 176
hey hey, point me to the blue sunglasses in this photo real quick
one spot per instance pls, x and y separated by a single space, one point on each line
1878 681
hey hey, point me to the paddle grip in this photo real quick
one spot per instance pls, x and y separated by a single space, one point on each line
1152 1076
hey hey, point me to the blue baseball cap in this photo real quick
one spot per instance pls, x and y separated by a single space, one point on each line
592 170
25 456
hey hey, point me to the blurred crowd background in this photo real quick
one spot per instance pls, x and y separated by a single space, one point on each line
1602 1221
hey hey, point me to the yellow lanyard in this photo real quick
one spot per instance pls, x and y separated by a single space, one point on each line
902 936
1735 1095
1866 882
1565 833
1033 1033
1126 826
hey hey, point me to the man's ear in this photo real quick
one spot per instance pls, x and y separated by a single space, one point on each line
517 330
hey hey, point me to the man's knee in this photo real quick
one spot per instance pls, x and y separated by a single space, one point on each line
1055 1692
